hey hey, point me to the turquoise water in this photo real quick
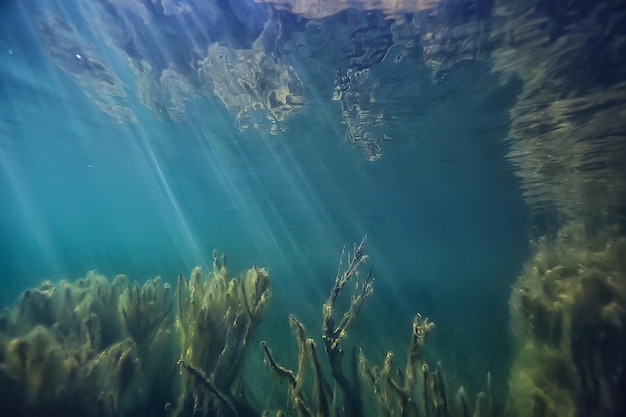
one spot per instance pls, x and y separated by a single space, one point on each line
137 137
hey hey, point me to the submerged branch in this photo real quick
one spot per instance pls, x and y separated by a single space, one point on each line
279 370
201 377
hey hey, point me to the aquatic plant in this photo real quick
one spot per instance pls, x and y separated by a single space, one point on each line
215 318
333 337
568 312
366 390
100 348
65 350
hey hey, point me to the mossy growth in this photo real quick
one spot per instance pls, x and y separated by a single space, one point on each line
568 312
215 318
66 351
103 348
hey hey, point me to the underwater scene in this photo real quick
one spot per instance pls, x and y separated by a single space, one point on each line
329 208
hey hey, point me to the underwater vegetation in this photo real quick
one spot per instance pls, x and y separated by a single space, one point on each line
81 348
568 312
96 347
215 320
363 389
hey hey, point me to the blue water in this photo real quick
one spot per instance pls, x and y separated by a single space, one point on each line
445 223
443 210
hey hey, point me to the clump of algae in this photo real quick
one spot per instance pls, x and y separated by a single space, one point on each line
215 318
568 312
103 348
64 351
